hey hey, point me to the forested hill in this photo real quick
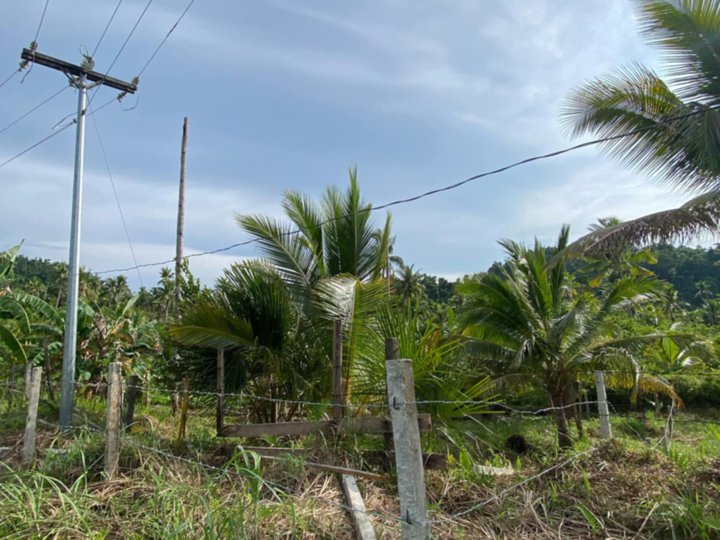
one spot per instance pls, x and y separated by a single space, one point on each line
694 272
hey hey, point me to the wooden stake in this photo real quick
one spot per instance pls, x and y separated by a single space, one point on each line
337 372
28 454
183 412
408 454
219 405
147 389
28 380
392 352
112 420
131 394
603 411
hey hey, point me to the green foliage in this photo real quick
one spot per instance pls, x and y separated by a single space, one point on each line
539 330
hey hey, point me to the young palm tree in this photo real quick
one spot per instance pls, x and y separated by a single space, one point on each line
683 153
334 237
532 321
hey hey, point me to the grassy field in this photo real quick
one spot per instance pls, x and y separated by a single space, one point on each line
630 487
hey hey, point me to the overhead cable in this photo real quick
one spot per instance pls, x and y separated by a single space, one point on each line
172 29
456 185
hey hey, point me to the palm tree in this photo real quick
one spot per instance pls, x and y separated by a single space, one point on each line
322 240
408 284
531 320
271 348
676 124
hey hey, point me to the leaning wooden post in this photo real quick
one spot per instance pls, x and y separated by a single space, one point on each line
408 454
183 412
219 404
131 394
28 453
603 411
337 372
112 420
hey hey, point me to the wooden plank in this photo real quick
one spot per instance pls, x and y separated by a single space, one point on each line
431 461
333 468
361 520
369 424
272 451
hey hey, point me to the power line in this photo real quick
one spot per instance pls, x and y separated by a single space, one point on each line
8 79
450 187
117 199
34 43
35 108
122 47
42 18
53 134
107 26
172 29
41 141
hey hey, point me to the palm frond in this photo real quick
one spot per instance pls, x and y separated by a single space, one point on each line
699 216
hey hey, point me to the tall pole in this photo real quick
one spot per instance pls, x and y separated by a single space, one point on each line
180 218
69 338
79 76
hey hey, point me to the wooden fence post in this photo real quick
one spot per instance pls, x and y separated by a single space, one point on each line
337 372
603 411
112 419
408 454
392 352
220 398
28 454
131 393
183 412
147 390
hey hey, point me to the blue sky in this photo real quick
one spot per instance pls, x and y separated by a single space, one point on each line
288 94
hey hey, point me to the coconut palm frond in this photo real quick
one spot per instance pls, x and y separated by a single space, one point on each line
699 216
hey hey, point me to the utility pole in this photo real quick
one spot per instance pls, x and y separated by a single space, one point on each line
180 218
83 78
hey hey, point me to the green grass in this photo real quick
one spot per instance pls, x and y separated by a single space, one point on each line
628 486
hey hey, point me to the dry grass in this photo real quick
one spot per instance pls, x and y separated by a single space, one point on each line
625 489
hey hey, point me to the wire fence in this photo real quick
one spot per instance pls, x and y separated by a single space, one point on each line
145 436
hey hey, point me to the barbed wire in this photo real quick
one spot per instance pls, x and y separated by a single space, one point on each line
513 487
249 395
276 485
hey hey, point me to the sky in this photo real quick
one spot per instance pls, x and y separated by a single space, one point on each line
285 94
